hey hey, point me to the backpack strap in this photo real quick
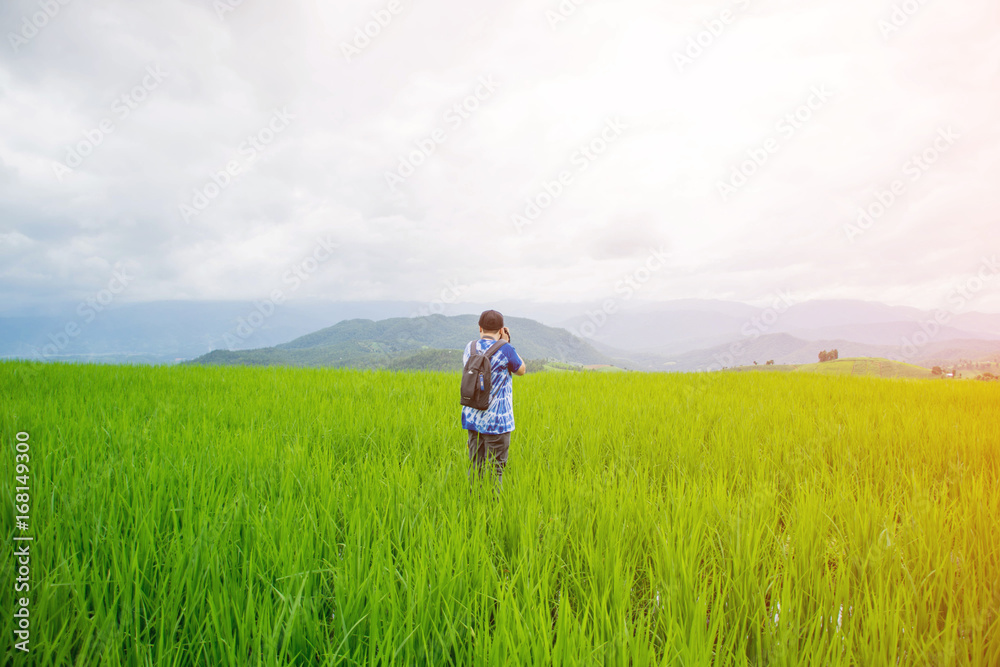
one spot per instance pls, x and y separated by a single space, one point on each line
493 348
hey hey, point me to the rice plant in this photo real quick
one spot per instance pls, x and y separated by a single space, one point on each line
268 516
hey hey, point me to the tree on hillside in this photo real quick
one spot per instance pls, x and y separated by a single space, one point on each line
770 362
937 370
535 365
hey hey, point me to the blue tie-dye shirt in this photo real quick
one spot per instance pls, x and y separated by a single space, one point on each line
499 417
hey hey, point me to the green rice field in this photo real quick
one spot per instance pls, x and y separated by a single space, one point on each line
267 516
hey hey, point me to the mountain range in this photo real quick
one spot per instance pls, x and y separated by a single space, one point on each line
421 342
682 335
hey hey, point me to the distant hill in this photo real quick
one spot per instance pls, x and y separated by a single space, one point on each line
856 366
681 335
887 333
433 342
782 348
428 360
885 368
675 327
788 349
166 331
859 366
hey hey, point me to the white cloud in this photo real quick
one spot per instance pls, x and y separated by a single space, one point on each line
657 184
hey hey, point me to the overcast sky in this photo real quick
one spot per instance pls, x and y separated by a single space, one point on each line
622 121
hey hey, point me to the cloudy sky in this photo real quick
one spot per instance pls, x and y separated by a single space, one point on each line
224 149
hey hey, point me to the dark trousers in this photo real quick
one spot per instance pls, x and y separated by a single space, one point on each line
490 447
